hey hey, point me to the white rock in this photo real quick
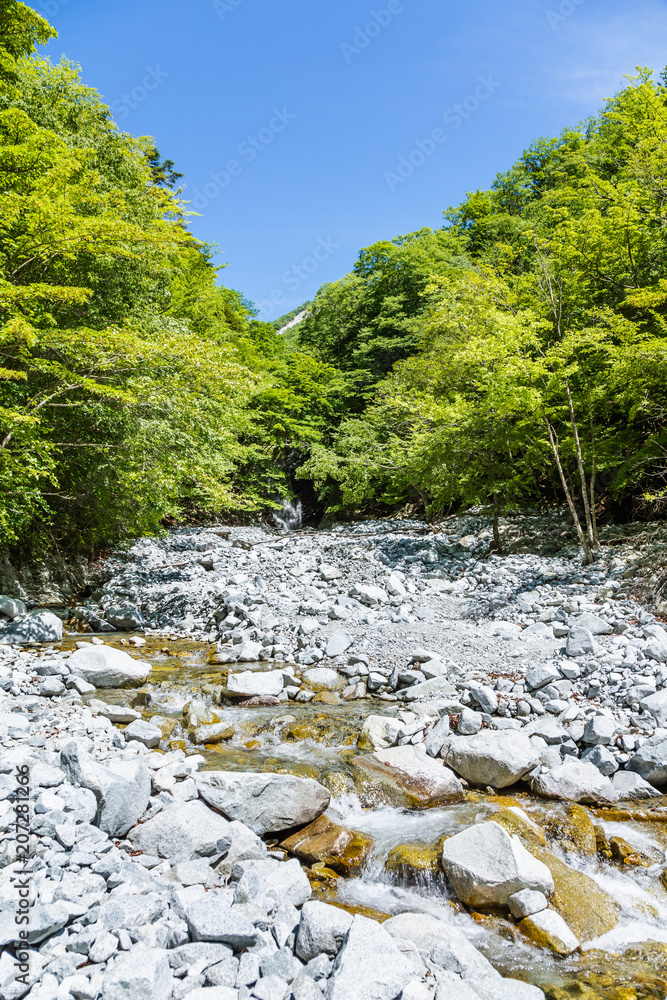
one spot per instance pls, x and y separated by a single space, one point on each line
254 683
282 882
496 758
486 866
322 929
600 730
553 924
656 704
574 780
41 626
526 902
338 642
594 624
322 679
381 731
442 943
369 966
107 667
144 733
183 832
140 974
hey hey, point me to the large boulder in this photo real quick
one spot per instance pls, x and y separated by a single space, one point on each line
369 966
441 943
11 608
575 780
267 803
493 758
629 785
121 788
650 761
404 776
182 832
106 667
42 626
486 866
124 617
255 683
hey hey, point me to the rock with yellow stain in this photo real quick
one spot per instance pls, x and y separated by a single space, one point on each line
324 842
663 879
401 776
216 732
326 698
515 820
548 930
409 861
574 826
197 713
587 909
166 726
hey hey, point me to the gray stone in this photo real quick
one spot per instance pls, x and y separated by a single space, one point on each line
492 758
380 732
369 966
506 989
322 679
106 667
442 943
144 733
629 785
600 729
209 919
579 642
486 866
538 675
115 713
11 608
248 651
51 687
650 761
657 649
574 780
470 722
656 704
437 687
139 974
338 642
121 787
602 758
282 882
322 929
594 624
526 902
267 803
124 617
183 832
41 626
486 697
547 729
271 988
195 952
436 736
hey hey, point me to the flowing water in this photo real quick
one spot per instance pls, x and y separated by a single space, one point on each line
628 962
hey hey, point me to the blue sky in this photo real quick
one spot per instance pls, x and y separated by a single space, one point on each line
308 129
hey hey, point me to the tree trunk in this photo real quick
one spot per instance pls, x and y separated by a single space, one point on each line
590 529
583 540
497 546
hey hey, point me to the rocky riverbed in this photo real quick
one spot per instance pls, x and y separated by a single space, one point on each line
366 762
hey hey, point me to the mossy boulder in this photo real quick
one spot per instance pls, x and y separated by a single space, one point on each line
586 908
324 842
410 861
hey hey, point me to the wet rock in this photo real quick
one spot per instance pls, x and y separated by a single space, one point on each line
379 732
140 974
410 861
486 866
41 626
267 803
106 667
548 930
587 909
252 683
574 780
369 966
322 929
404 776
184 831
492 758
216 732
342 850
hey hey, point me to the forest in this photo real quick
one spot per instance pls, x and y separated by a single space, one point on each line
515 357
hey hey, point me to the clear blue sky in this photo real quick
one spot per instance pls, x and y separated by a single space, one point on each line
315 102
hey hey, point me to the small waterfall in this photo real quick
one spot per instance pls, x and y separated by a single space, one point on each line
290 517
